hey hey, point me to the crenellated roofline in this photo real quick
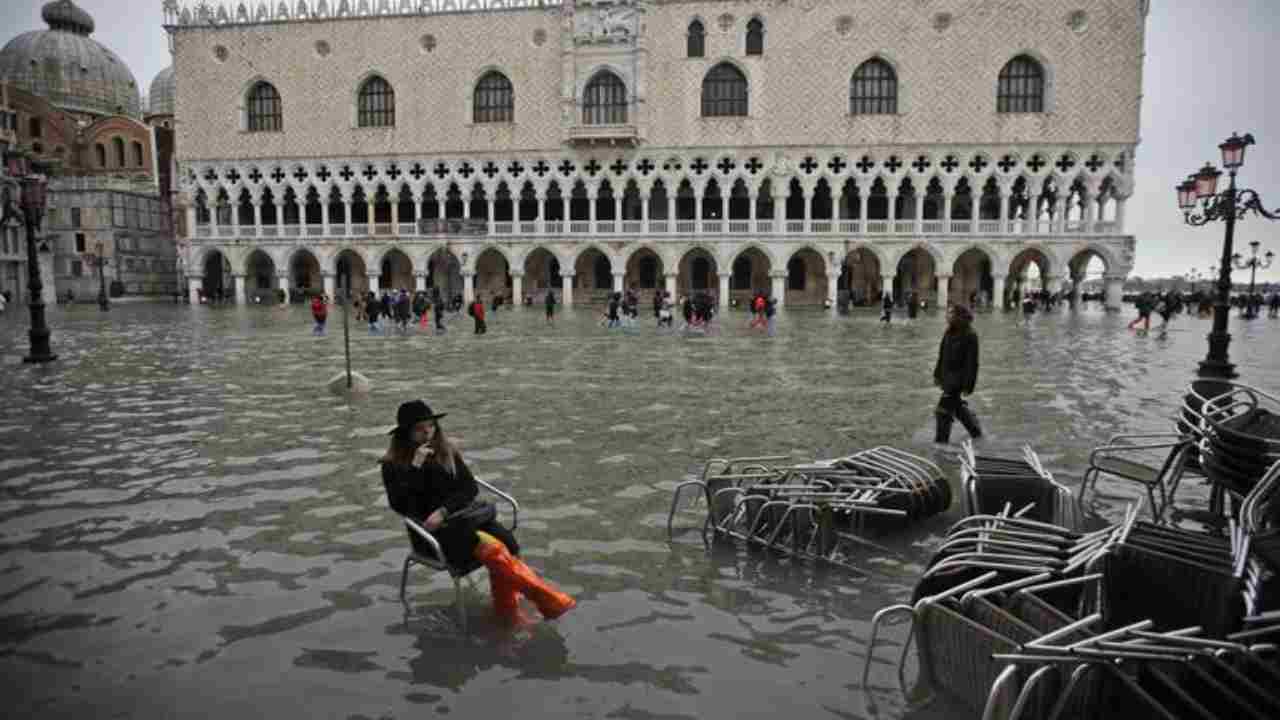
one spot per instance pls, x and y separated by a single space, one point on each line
203 13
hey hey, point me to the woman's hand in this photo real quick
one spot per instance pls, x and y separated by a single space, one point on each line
434 520
421 454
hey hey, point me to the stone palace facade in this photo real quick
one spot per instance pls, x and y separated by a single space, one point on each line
804 147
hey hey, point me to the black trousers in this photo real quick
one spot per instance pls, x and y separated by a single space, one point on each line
481 328
951 406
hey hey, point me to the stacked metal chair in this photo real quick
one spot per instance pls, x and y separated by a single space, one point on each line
1020 618
989 482
821 510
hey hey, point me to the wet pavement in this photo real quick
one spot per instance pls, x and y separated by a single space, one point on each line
190 525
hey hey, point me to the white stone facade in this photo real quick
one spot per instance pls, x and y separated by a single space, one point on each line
875 197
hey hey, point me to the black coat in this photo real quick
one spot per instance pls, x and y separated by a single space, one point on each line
957 368
418 492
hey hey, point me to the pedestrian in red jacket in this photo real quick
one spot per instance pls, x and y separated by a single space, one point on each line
319 311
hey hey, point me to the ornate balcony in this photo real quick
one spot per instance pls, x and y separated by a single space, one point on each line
604 135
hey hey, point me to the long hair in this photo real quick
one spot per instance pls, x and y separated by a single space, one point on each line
402 448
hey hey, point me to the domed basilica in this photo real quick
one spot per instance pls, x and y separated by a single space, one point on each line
74 106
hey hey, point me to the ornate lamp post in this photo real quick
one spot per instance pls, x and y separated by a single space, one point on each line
1201 203
1253 263
30 212
98 260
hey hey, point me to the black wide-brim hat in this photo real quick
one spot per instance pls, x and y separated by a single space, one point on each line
412 413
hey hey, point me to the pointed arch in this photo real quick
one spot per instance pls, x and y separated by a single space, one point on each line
375 102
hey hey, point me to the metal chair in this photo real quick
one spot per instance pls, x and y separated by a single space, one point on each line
1131 458
434 557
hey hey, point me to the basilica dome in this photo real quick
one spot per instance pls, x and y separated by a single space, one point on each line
68 68
160 97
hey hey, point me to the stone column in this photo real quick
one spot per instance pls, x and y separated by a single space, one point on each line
671 212
644 213
833 284
1115 292
1060 215
1005 196
893 210
489 214
1076 288
974 210
944 291
617 210
330 285
241 298
807 195
947 197
539 215
671 286
324 217
257 217
1119 216
919 215
213 218
468 286
1033 208
1086 219
724 289
779 213
420 281
617 281
886 286
517 289
395 215
864 194
779 289
751 209
997 291
191 221
195 285
591 207
697 214
283 278
566 289
373 284
346 216
564 210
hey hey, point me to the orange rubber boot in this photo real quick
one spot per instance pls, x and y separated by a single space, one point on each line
506 570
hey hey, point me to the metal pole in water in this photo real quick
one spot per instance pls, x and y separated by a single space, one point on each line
346 334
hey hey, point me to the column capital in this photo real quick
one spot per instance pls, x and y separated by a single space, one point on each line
513 273
724 274
999 276
775 274
943 276
568 275
670 274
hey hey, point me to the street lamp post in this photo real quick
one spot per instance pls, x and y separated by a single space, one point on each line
1201 203
98 260
29 213
1253 263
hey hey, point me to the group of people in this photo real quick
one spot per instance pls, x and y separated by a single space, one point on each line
1166 305
401 308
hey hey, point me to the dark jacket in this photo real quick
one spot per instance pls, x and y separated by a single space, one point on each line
418 492
957 368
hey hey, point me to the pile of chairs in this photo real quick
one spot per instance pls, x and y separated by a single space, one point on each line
1239 437
1020 618
988 483
819 510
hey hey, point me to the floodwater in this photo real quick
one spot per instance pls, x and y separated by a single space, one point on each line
190 525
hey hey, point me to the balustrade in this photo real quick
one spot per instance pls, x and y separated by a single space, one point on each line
579 227
739 227
358 230
795 227
961 227
604 227
877 227
553 227
315 231
407 229
931 227
711 227
292 230
632 227
270 231
905 227
686 227
503 228
658 226
819 227
989 227
528 228
764 227
849 227
382 228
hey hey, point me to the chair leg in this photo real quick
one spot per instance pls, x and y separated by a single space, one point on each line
462 604
404 578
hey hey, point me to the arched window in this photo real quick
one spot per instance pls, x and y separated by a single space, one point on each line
376 105
755 37
100 151
724 92
137 154
494 100
264 113
873 89
697 39
117 145
605 100
1021 87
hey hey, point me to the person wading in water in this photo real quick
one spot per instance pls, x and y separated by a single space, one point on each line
956 373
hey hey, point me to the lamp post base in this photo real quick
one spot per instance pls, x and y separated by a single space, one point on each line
40 351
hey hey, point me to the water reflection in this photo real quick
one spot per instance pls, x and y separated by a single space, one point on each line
184 509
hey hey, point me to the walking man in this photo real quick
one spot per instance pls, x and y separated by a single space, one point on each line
551 306
477 313
956 373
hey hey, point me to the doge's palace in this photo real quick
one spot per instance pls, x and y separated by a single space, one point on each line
804 147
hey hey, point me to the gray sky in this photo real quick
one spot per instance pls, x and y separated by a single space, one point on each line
1208 69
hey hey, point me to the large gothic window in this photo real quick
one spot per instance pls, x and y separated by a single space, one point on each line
264 113
755 37
376 104
494 100
605 100
724 92
697 40
873 89
1021 87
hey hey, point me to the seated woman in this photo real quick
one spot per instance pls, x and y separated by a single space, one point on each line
426 479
